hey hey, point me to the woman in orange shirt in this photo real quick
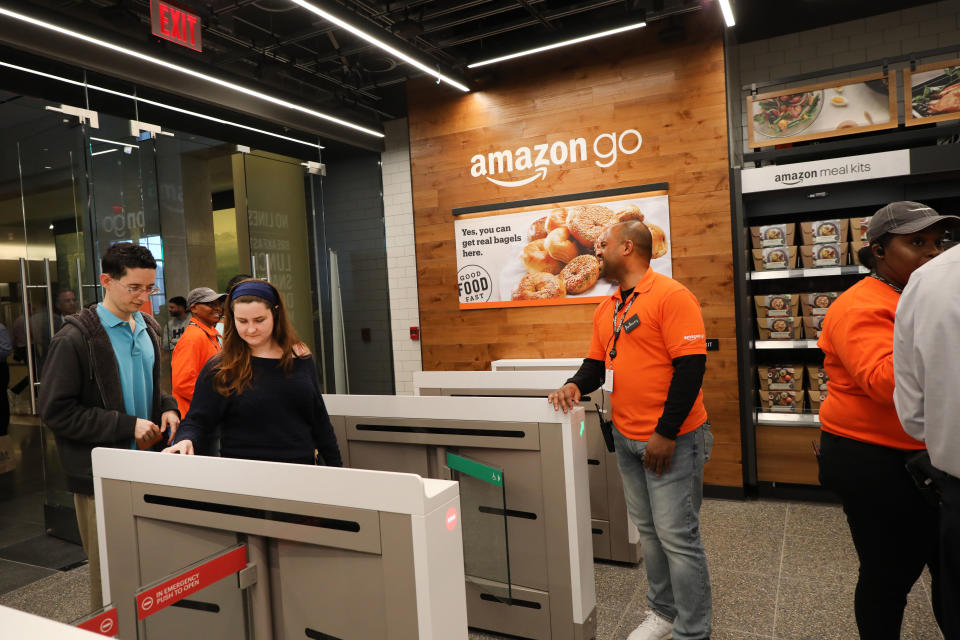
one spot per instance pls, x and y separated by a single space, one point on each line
863 448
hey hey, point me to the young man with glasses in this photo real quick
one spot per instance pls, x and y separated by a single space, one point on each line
100 385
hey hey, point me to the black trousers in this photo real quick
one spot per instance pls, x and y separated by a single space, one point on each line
895 532
950 557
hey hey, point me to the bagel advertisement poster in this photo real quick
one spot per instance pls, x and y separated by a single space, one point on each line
543 254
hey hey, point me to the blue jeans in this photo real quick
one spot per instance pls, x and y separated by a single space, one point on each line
666 510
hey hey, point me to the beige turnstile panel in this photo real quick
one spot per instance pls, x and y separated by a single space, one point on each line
347 604
529 617
601 538
404 458
216 612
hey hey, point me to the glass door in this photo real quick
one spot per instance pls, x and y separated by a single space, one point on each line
52 275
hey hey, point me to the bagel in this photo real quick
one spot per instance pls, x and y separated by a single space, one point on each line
556 219
587 221
538 230
536 259
659 241
580 274
539 286
560 245
631 212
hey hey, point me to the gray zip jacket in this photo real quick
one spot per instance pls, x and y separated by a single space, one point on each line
81 400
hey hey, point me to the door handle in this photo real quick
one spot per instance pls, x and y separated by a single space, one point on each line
27 322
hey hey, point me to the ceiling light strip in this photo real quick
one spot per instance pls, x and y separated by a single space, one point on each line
160 105
727 12
100 153
186 71
326 15
557 45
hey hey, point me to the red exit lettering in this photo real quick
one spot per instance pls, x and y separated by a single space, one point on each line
175 24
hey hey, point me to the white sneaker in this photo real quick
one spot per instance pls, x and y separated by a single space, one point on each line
652 628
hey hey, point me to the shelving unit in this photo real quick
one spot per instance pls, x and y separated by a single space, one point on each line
779 454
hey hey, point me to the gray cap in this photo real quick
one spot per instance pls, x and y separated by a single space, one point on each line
904 217
203 294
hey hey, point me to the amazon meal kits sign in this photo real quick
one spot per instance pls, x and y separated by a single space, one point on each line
819 172
539 255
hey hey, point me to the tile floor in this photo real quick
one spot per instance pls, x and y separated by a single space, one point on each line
778 569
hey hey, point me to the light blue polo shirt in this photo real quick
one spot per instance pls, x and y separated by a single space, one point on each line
135 357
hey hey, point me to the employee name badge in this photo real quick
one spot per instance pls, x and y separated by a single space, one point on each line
608 381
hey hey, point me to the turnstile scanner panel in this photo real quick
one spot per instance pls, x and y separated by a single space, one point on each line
537 364
542 457
615 537
330 553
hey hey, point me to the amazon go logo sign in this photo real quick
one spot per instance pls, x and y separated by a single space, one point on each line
606 148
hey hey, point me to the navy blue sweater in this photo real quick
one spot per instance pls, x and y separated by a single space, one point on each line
277 418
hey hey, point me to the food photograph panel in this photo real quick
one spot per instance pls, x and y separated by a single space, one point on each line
826 110
544 255
934 91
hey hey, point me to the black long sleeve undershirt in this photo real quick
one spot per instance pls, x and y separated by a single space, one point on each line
684 388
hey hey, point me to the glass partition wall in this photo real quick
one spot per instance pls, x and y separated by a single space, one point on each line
72 185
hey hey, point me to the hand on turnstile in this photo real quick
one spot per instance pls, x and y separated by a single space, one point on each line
184 447
566 397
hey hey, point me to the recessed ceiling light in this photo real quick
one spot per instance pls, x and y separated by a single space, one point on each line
51 227
727 12
186 71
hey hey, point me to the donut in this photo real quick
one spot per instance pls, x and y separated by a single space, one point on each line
587 221
538 230
560 245
536 259
659 241
580 274
539 286
631 212
556 219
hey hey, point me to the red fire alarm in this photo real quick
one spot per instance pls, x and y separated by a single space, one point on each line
414 333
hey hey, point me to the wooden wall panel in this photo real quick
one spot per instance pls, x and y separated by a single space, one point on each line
674 95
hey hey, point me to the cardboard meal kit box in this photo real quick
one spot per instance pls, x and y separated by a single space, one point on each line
816 378
780 328
774 258
778 305
780 377
782 401
773 235
855 247
825 231
812 326
858 228
816 397
816 304
824 255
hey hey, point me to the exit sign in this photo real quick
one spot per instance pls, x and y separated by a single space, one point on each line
174 24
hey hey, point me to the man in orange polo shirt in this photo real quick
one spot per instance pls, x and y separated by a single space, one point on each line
199 341
649 352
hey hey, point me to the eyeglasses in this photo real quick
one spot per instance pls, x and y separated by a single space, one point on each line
136 289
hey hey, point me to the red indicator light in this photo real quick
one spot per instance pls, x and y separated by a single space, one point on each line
452 518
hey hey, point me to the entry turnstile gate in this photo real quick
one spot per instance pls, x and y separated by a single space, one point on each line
614 536
332 553
537 457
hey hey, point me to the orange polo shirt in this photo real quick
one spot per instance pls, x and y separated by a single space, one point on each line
193 349
671 326
857 343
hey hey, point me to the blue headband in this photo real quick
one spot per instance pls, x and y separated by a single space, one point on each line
256 288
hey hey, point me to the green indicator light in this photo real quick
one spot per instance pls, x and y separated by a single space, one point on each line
582 427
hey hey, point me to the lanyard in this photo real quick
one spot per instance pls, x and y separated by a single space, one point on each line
213 339
617 328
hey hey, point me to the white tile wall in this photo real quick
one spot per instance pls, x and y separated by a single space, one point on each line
401 253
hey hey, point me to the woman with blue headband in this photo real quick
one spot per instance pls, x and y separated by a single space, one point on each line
264 397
